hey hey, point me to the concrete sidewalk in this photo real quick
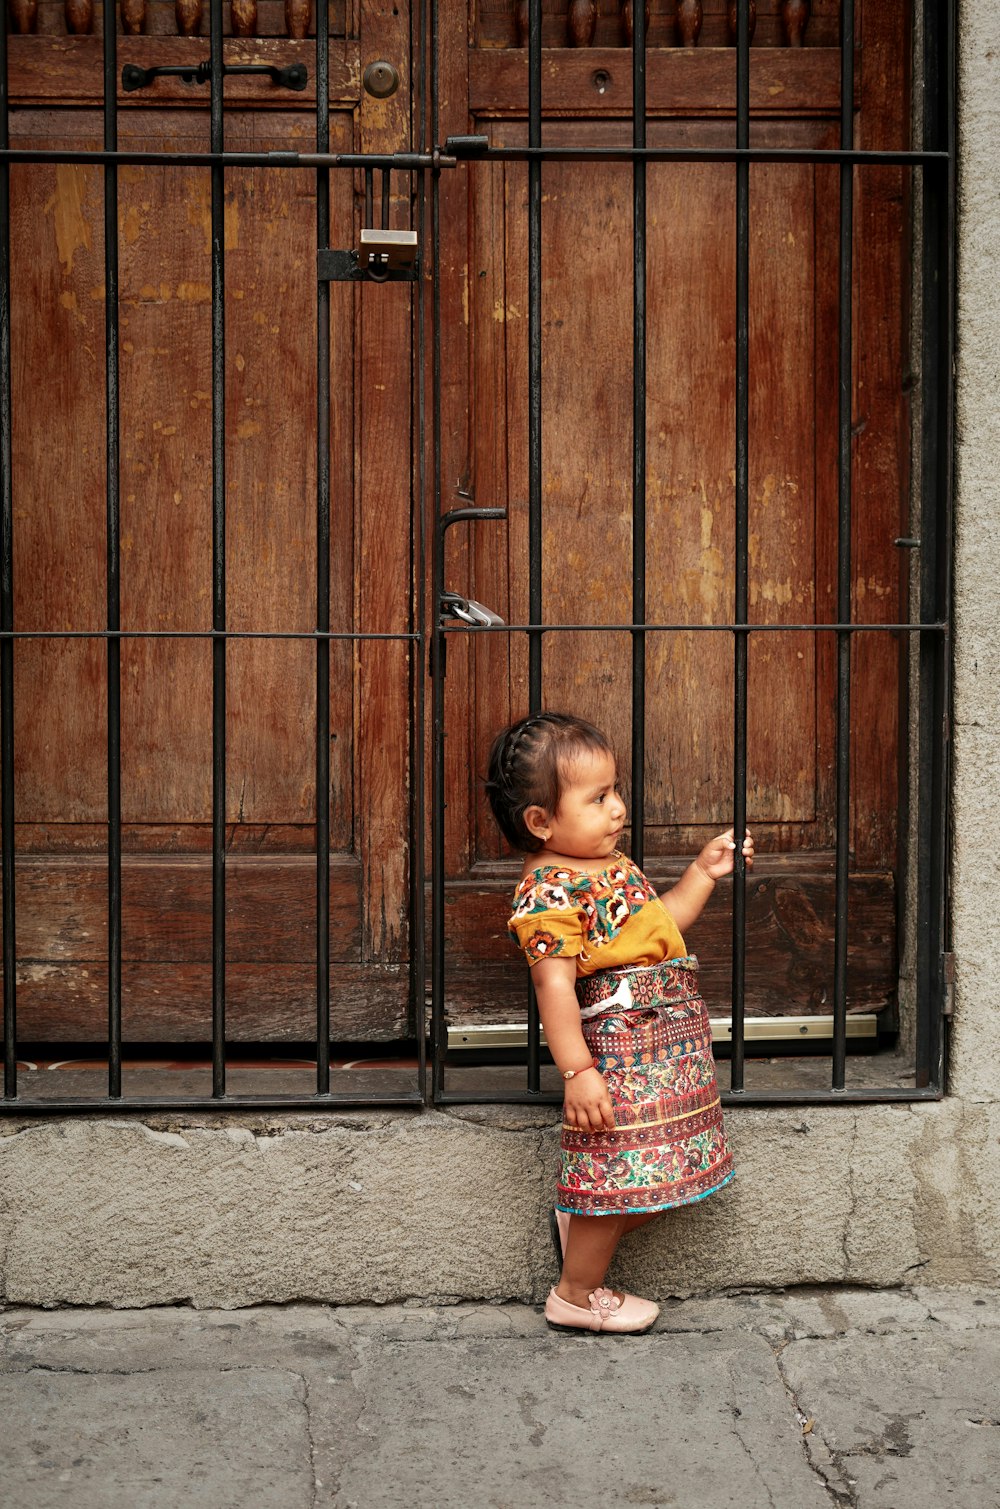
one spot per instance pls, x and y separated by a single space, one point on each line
802 1400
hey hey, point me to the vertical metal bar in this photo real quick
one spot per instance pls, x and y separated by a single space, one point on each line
369 195
417 668
113 557
639 434
322 562
534 432
936 362
385 198
218 566
438 646
741 605
6 608
844 387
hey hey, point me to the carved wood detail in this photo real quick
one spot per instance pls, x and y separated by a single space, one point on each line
794 19
79 17
244 18
133 13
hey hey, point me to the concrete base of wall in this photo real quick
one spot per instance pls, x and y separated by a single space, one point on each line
453 1205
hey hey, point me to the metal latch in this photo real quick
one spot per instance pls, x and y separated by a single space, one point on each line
467 611
383 255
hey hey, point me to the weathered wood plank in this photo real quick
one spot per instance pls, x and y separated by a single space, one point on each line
69 70
679 81
384 531
167 908
172 1003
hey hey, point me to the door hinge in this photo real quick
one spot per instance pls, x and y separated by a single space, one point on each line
948 977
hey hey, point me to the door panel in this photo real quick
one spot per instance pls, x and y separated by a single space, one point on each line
690 451
166 541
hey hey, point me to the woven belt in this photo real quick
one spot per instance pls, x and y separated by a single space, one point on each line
639 988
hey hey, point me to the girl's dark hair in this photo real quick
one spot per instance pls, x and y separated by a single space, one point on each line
524 769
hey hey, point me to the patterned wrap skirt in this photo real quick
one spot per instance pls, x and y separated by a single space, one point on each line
649 1031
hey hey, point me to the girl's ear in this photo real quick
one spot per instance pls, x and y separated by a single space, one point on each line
536 820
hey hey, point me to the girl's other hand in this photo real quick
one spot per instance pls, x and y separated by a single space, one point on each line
587 1104
716 858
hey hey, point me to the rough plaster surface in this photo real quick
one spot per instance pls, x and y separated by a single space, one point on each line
975 1044
449 1207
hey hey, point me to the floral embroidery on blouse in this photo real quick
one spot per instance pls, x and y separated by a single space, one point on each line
581 910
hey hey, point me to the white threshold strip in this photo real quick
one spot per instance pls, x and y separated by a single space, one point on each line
758 1029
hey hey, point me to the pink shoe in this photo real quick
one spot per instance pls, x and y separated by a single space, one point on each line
606 1313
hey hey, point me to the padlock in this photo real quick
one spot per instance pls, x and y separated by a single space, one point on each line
386 250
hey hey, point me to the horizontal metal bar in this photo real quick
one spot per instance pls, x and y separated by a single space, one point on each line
147 1103
724 628
199 634
862 1024
891 1094
707 154
396 161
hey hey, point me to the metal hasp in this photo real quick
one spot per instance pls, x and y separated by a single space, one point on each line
384 255
295 76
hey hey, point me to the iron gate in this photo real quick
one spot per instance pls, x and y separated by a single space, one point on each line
933 167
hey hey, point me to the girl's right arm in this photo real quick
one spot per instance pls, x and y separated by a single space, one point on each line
587 1104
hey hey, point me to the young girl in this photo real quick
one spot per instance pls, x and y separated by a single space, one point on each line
618 999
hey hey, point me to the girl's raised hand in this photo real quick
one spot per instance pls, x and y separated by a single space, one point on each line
587 1104
716 858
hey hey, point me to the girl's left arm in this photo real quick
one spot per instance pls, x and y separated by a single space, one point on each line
686 900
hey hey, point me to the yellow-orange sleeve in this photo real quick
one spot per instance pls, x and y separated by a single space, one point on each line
549 935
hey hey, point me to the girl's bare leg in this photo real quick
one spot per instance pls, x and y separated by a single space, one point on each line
590 1246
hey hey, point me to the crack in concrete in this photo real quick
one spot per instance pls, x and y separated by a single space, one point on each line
752 1459
843 1497
854 1198
307 1407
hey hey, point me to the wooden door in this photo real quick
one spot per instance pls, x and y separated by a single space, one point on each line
166 521
690 440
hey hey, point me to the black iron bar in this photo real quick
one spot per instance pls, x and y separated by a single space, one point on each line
386 182
414 161
113 557
534 434
439 1034
742 495
418 880
639 432
844 458
369 193
460 628
936 525
336 1100
6 606
218 566
344 1100
322 561
695 628
890 1094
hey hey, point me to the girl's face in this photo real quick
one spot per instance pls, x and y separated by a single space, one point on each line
588 821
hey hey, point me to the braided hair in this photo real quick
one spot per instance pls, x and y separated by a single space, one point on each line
525 764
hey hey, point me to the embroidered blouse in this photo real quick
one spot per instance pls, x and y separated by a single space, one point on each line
605 919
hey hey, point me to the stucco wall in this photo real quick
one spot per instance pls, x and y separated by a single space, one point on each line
383 1206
